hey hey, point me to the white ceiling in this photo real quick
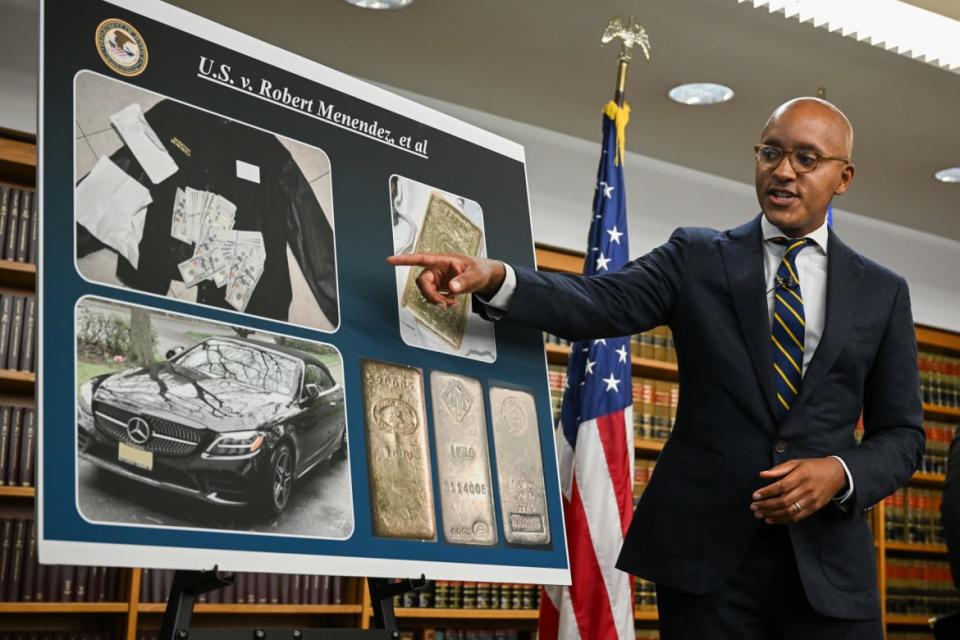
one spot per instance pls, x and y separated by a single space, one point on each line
540 62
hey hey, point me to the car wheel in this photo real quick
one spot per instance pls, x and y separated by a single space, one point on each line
279 482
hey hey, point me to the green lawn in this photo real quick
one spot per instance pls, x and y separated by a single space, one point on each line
87 370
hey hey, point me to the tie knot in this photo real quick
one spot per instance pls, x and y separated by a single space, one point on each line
793 245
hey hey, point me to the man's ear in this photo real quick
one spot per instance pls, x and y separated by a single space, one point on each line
846 177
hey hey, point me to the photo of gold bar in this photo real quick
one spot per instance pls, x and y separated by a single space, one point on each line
398 453
444 230
516 441
463 459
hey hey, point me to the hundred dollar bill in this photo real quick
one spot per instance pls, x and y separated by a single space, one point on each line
516 438
463 459
444 230
398 455
241 287
178 222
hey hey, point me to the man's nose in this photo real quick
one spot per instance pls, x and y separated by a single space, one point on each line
784 170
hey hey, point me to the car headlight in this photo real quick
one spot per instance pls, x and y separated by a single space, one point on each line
85 397
236 444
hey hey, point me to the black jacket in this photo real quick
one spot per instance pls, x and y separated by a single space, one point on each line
693 524
282 207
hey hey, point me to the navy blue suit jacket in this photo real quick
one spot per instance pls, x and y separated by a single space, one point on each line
693 524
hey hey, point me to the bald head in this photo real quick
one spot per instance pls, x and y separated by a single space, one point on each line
839 130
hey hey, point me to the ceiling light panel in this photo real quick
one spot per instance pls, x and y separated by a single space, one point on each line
889 24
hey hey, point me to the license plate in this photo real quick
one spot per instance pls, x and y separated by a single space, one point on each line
134 456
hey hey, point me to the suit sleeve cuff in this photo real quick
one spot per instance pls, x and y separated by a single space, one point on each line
849 491
499 304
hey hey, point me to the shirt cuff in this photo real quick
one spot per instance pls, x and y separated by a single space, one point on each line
500 302
849 491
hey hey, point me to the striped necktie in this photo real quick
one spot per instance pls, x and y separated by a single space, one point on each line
787 328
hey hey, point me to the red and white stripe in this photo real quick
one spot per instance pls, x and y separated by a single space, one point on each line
596 479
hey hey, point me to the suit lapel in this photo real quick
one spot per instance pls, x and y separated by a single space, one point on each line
844 272
742 252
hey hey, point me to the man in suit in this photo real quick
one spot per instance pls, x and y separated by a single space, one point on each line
754 523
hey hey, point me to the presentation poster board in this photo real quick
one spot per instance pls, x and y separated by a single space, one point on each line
230 373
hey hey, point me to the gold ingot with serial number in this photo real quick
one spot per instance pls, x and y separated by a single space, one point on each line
398 453
516 440
463 459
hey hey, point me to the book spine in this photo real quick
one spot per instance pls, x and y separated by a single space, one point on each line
34 226
80 578
4 442
338 590
28 341
30 563
113 585
13 218
262 590
27 454
156 585
16 332
99 592
251 588
26 226
5 196
285 581
13 451
296 588
324 591
6 308
67 579
314 590
16 561
145 585
273 588
7 208
51 585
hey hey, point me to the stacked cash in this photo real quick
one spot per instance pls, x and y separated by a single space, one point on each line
234 259
195 210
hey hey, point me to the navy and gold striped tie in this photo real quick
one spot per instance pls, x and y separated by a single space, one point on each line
787 327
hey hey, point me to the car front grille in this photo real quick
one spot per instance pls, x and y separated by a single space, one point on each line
166 438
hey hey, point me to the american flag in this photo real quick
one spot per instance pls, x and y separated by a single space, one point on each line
595 437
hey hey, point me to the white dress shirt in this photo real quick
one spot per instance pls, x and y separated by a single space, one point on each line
811 269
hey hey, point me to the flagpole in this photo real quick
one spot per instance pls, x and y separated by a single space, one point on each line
630 34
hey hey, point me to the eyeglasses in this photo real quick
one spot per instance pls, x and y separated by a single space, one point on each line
802 160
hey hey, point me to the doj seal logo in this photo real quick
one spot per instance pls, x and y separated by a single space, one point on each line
121 47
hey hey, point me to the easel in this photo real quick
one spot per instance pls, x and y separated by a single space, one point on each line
187 585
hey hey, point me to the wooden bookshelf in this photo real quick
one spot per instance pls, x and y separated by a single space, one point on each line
936 412
645 615
901 620
18 162
651 448
233 609
468 614
910 547
643 367
18 492
20 383
929 480
63 607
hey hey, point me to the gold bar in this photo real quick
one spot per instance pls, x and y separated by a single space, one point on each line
444 230
463 459
516 439
398 455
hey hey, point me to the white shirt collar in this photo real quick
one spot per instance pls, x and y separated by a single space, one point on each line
818 235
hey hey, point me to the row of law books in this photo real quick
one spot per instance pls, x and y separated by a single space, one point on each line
642 470
920 587
18 224
455 594
644 595
939 437
913 515
18 332
23 579
655 344
939 379
252 588
654 407
18 450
